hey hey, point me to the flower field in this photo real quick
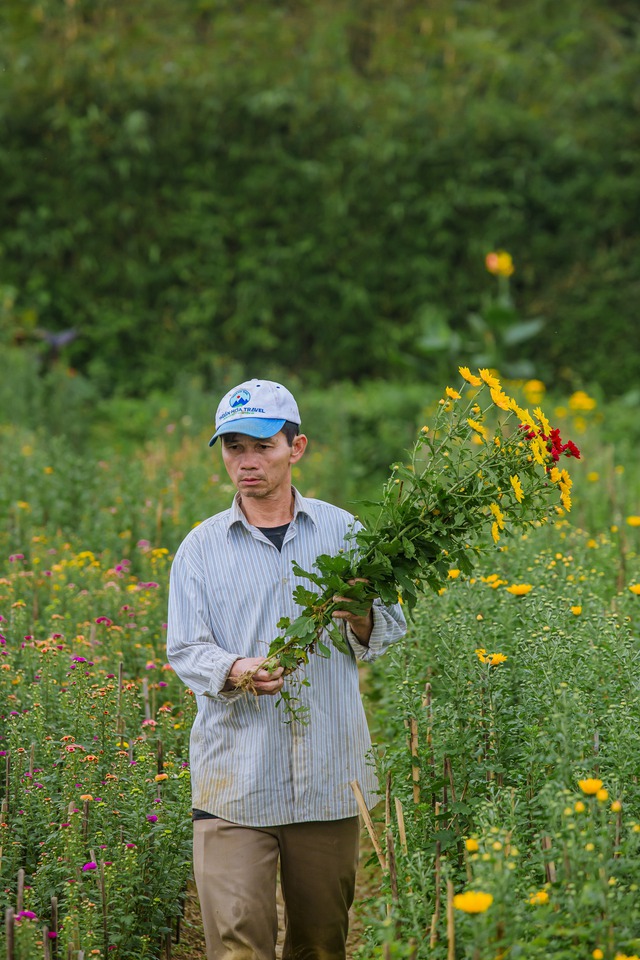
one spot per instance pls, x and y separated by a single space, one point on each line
507 722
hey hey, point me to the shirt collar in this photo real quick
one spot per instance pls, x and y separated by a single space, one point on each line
301 505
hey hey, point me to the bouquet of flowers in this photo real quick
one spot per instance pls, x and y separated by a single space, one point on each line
484 469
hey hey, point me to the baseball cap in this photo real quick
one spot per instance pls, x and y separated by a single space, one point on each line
258 408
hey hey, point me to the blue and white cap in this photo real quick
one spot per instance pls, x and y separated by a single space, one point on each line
257 408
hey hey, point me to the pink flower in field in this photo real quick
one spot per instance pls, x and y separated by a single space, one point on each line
15 557
79 659
91 865
52 935
149 723
26 915
104 620
151 817
130 846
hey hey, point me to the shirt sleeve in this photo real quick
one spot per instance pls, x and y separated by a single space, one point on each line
389 626
192 649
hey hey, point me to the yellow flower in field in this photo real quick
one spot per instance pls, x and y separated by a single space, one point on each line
616 806
633 521
602 795
534 391
538 898
590 786
579 807
453 574
597 954
489 378
453 394
495 659
577 610
86 796
500 399
498 514
499 263
635 588
554 475
161 776
477 427
481 654
466 374
495 531
471 845
472 901
593 476
23 505
517 487
520 589
544 423
539 450
580 401
565 500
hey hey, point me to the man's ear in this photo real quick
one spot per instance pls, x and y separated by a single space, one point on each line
298 447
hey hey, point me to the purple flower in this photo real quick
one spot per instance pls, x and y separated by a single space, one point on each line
104 620
52 935
130 846
151 817
90 866
79 659
16 556
26 915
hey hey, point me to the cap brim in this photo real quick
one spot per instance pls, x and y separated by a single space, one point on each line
250 427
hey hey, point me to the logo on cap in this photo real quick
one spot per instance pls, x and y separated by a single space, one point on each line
240 399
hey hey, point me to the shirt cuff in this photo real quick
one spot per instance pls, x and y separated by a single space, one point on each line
219 676
376 645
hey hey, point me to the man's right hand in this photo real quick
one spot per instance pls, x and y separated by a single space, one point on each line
263 681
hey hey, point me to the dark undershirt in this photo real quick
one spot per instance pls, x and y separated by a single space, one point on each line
276 535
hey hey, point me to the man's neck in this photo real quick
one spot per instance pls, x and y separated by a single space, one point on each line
265 512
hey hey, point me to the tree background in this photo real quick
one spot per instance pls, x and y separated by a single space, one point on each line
209 187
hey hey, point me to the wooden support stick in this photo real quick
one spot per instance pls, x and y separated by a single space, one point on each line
145 697
46 952
436 908
32 759
387 801
9 932
401 827
415 769
549 867
368 822
391 859
451 929
20 893
85 820
54 915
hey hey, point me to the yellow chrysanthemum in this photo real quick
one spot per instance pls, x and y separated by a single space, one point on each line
602 795
495 532
544 423
489 378
565 499
499 263
554 475
472 901
500 399
635 588
471 845
633 521
581 401
517 487
498 514
453 574
481 654
577 610
590 786
539 450
452 394
520 589
538 898
478 427
495 659
466 374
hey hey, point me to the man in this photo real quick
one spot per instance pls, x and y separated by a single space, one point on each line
265 790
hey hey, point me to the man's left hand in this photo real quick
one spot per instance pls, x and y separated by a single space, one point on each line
360 623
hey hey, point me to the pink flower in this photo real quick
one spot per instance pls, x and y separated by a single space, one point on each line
90 866
151 817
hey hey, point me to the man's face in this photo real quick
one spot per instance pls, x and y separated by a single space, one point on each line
261 468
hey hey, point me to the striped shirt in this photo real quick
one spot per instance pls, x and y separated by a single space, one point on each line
229 587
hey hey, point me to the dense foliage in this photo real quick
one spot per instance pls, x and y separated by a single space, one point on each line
317 184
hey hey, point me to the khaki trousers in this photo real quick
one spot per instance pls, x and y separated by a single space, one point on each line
235 869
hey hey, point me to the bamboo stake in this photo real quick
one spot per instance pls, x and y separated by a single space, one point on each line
20 893
549 867
32 758
145 697
415 769
9 932
54 915
401 827
436 909
46 952
393 873
387 801
451 929
366 816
